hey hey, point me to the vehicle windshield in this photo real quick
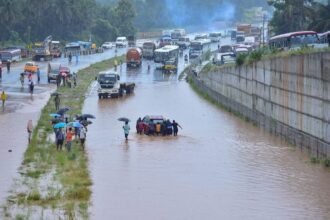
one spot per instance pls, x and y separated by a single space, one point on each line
225 49
107 77
148 45
196 46
228 58
297 41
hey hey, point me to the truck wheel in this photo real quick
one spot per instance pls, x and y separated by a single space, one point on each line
100 96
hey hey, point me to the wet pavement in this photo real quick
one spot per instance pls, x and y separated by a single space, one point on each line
20 107
219 167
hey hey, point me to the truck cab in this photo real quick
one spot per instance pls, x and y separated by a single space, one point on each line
109 85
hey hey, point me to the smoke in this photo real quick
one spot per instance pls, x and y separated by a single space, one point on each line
199 12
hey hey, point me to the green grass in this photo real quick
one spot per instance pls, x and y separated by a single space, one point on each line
69 170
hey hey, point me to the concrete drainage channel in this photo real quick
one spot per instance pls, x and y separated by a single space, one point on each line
265 97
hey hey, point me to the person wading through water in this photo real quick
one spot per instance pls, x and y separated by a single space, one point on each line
175 127
126 128
29 128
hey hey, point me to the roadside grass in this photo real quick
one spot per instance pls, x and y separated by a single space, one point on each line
57 179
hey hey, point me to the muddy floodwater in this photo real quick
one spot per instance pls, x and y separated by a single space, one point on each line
219 167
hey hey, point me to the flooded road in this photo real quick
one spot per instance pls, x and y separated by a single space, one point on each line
219 167
20 107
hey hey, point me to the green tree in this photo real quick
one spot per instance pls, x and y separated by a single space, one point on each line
290 15
321 17
125 15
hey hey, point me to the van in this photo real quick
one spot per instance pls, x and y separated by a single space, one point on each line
121 42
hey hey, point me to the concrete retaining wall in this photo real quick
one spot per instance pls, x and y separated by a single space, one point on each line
288 96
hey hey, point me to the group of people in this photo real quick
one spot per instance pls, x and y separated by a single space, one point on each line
66 80
164 128
69 133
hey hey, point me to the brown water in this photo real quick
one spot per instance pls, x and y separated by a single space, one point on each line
219 167
19 108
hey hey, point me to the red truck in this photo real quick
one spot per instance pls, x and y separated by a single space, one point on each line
134 57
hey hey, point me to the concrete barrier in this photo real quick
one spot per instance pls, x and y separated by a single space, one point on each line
288 96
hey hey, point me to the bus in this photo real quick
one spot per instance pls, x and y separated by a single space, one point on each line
165 40
199 47
325 38
148 50
168 56
215 37
177 33
10 55
201 36
295 40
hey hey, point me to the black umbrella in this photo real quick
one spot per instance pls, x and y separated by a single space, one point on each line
63 110
86 122
55 94
123 119
84 116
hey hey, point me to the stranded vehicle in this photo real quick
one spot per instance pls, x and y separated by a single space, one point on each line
109 85
134 57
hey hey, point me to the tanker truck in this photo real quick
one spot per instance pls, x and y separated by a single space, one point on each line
134 57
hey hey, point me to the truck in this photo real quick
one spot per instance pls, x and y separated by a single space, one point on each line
42 50
55 49
148 49
109 85
53 70
134 57
131 41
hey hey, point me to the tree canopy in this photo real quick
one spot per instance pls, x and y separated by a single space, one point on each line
33 20
297 15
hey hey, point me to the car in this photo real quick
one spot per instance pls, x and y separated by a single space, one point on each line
52 71
151 118
31 67
224 58
121 42
107 45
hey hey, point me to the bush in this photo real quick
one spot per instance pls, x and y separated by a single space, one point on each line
240 59
255 56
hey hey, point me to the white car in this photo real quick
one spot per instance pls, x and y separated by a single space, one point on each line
107 45
121 42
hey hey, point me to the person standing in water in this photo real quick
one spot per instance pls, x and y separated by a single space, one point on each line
175 127
29 128
126 128
3 98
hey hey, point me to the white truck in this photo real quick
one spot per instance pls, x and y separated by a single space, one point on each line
109 85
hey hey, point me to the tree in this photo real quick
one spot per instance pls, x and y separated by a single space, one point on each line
321 17
125 14
290 15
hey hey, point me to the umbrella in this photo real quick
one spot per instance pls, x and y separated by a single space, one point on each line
60 125
88 116
55 94
86 122
55 115
75 124
85 116
62 110
123 119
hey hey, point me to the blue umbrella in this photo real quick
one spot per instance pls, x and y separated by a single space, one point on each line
60 125
55 115
75 124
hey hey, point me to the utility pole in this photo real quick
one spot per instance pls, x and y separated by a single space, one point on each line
263 28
